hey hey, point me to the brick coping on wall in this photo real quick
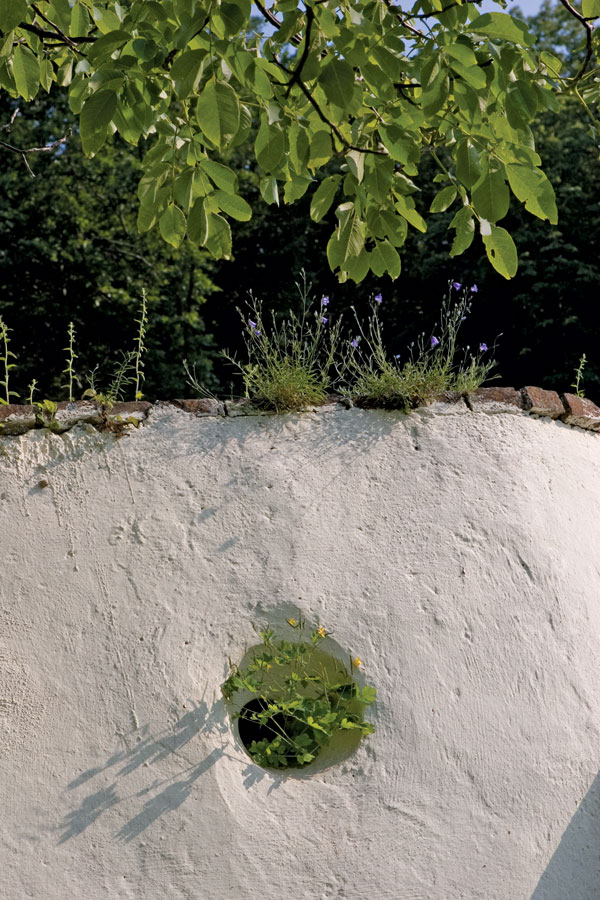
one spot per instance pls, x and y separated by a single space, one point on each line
568 408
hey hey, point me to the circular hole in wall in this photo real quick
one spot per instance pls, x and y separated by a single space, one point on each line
324 751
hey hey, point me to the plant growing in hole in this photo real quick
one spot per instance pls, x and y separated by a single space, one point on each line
298 703
377 380
289 364
6 364
579 376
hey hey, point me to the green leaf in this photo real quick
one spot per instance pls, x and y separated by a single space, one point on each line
12 12
462 53
241 135
218 112
172 225
234 205
323 197
231 18
26 72
299 147
501 26
186 72
337 80
532 188
590 8
80 21
384 258
406 208
468 168
218 241
491 197
501 251
269 146
473 75
96 115
321 150
443 199
197 224
224 177
296 188
464 225
269 190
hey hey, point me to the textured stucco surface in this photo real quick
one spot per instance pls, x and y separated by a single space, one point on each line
456 552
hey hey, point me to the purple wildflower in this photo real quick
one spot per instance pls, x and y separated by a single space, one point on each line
378 298
397 356
324 320
456 285
354 343
434 342
256 333
252 324
324 301
483 348
474 288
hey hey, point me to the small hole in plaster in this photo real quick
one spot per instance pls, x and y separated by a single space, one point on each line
341 745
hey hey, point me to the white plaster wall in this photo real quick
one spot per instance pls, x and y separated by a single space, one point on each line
455 552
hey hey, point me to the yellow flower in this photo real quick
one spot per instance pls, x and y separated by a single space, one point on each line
321 631
292 622
269 666
356 662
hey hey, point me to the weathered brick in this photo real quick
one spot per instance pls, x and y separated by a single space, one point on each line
495 399
203 406
16 419
70 413
580 411
541 402
133 409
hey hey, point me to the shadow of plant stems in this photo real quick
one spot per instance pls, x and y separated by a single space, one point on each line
148 751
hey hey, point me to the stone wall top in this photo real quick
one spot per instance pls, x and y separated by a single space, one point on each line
571 409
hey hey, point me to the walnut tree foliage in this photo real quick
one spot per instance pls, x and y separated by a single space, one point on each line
365 88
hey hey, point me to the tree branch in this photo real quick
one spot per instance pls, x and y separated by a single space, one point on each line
65 38
589 28
41 33
334 129
310 17
24 151
268 15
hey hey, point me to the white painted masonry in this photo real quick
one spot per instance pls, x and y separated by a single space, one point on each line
457 552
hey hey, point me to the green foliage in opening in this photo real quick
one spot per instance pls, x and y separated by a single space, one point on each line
368 88
302 700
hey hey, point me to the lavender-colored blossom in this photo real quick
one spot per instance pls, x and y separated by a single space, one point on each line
354 343
456 285
324 320
378 298
324 301
474 288
434 342
256 333
397 356
483 348
252 324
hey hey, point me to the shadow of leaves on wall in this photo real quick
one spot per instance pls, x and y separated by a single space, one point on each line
148 750
574 869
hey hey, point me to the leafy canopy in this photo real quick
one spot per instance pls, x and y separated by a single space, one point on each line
364 88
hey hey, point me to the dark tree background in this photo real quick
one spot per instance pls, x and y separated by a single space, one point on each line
69 250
